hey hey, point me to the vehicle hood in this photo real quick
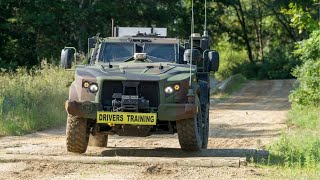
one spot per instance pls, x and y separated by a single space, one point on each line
136 71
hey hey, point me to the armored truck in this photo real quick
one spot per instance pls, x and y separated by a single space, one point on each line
139 83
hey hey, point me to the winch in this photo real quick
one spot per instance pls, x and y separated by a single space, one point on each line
130 103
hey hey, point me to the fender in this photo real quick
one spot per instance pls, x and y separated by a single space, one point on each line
73 93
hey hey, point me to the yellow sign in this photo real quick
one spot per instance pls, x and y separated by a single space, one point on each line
127 118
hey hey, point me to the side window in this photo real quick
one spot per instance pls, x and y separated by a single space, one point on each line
180 58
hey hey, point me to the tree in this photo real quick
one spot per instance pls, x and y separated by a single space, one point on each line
32 30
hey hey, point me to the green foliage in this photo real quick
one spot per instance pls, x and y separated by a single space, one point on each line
300 19
309 49
308 73
36 29
271 69
278 64
230 58
305 117
301 150
32 100
259 28
256 30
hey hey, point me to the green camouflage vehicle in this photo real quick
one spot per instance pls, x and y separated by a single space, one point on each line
140 83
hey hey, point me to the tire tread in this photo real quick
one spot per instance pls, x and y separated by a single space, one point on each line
77 134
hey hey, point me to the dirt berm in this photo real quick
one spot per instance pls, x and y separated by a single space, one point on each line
240 127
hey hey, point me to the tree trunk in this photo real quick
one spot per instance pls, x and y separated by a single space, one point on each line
260 31
257 22
240 15
256 29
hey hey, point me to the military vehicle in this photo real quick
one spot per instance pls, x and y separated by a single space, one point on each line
138 82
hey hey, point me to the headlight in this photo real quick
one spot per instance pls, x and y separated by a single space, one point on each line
168 90
93 88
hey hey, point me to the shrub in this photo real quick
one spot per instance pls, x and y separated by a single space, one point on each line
300 150
32 99
230 57
278 62
308 73
305 116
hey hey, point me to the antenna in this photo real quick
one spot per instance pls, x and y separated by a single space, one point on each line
112 27
191 44
205 32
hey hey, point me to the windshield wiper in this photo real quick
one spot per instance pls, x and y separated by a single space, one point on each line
157 58
133 59
130 59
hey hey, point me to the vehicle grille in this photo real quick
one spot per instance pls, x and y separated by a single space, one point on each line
146 89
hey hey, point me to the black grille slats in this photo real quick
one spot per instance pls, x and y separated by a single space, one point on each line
150 91
146 89
108 89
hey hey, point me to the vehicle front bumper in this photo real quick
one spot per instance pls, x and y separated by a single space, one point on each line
166 112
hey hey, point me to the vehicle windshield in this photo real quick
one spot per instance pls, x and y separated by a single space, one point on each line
116 51
120 52
161 52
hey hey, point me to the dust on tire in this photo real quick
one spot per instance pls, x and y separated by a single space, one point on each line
190 132
77 134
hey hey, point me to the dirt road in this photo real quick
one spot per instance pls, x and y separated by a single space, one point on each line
240 126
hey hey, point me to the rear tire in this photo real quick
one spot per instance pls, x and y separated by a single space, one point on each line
100 140
190 133
78 131
205 119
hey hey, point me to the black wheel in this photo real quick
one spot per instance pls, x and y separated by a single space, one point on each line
66 58
99 140
190 133
205 124
78 131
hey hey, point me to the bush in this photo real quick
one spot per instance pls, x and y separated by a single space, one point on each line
270 69
230 57
278 63
32 99
300 150
308 73
305 117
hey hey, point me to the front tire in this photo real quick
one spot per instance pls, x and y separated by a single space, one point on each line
190 133
78 131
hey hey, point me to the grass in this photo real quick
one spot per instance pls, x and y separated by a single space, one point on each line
297 152
280 172
305 117
32 100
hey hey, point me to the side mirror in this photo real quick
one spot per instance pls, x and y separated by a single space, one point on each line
213 57
67 57
196 55
92 42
